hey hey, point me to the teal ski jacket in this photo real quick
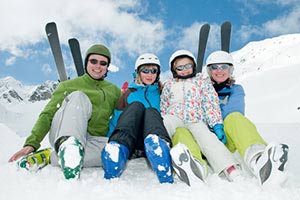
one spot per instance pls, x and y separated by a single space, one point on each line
148 95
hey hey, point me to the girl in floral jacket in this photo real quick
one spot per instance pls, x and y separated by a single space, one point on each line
190 101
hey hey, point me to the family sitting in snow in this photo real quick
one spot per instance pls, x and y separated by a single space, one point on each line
191 125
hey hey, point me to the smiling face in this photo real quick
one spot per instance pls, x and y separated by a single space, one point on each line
148 74
219 75
184 70
97 66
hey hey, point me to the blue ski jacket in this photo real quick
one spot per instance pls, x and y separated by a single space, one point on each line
148 95
231 100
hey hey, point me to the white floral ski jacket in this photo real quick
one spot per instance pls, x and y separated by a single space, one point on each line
192 100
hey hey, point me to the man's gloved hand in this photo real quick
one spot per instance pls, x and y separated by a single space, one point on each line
218 130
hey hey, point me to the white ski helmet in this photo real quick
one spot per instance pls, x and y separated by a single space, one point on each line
181 53
147 58
219 57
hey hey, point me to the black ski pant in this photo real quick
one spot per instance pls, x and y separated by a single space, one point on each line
135 124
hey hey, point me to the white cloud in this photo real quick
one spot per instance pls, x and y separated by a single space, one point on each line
115 23
113 68
284 24
246 32
10 61
46 69
190 37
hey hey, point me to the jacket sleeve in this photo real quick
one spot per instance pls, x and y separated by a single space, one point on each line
210 104
43 124
113 122
164 98
235 101
120 106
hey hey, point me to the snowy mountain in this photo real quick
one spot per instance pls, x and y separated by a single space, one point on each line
12 90
43 91
268 54
269 71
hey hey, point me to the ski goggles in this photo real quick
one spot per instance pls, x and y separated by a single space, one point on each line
182 67
101 62
148 70
219 66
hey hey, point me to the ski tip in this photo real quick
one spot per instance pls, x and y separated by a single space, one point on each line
72 39
205 26
50 24
49 27
226 23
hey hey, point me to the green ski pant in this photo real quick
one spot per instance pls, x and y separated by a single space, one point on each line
241 133
184 136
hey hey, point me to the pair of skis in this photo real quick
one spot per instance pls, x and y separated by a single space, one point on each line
203 37
52 34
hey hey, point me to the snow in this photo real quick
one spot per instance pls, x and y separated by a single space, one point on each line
71 154
273 101
113 152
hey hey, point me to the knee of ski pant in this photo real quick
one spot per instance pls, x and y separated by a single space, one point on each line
79 95
81 98
153 111
233 116
237 123
184 136
137 105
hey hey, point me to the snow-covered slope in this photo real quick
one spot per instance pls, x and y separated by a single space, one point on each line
269 71
138 181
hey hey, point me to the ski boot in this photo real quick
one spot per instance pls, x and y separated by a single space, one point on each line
70 158
35 160
270 166
158 154
189 169
114 157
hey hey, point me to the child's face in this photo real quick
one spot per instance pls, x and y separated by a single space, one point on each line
148 74
183 66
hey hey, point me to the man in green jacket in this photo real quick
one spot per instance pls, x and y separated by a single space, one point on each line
76 119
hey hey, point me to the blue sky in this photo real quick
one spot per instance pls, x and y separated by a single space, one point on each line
129 28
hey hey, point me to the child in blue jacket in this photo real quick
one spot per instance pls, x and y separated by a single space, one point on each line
137 127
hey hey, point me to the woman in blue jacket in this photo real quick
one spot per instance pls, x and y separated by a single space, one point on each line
266 161
137 125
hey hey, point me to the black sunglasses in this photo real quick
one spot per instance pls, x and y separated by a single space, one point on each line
101 62
182 67
147 71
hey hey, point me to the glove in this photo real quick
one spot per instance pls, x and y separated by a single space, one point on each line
218 130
